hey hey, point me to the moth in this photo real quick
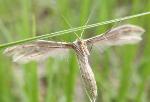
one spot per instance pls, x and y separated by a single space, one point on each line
42 49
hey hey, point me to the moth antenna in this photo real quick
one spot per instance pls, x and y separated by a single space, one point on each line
84 25
90 15
70 26
67 22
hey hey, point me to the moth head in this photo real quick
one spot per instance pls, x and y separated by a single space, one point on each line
80 42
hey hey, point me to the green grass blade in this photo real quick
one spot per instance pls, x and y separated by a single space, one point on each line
72 30
31 82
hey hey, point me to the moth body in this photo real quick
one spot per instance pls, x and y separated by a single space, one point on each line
85 69
42 49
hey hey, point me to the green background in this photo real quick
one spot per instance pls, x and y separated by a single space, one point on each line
122 73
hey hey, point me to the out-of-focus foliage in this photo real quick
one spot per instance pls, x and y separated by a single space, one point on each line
122 73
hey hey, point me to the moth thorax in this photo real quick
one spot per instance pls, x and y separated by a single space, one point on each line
83 47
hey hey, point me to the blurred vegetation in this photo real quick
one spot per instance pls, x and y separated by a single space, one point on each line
122 73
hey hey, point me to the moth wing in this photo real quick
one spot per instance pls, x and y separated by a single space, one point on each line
125 34
37 51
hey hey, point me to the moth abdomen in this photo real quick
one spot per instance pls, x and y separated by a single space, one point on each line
89 82
86 72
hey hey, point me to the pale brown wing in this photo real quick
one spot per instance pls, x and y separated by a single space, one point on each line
38 50
125 34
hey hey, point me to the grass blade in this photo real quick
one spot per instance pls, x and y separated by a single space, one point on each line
72 30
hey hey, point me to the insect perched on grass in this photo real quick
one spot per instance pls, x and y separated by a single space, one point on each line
42 49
